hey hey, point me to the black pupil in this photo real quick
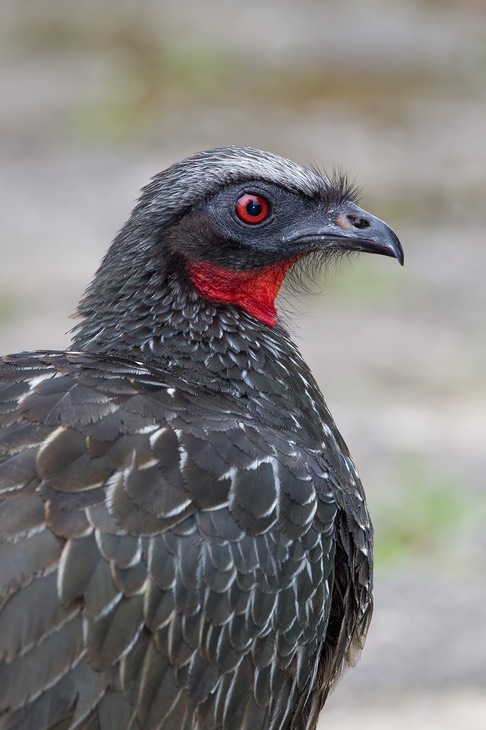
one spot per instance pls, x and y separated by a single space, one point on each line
254 208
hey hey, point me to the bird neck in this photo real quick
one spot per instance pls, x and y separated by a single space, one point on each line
221 347
254 290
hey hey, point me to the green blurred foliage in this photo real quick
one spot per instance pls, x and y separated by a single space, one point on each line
425 512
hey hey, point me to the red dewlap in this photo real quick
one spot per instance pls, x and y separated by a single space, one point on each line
254 290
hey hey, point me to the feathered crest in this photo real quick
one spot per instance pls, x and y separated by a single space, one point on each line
205 172
341 187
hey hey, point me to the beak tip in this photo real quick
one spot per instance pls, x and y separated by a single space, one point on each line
399 253
391 242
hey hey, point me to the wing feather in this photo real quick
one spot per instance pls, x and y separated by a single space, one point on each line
158 568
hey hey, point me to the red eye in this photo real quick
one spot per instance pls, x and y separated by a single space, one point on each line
252 208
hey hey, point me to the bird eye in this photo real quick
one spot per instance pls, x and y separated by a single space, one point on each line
252 208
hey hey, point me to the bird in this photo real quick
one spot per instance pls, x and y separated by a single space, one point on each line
184 538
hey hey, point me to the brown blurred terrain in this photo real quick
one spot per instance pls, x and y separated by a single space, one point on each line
98 96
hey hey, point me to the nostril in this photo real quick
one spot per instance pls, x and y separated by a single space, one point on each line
358 222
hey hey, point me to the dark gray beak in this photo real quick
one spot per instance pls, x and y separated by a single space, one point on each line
353 229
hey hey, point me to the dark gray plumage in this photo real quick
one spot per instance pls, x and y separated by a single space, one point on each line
184 540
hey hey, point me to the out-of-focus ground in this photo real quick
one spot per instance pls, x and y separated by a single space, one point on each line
95 97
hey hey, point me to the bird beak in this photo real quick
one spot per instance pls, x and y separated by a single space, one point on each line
353 229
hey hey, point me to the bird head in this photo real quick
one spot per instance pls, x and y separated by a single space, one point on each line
230 223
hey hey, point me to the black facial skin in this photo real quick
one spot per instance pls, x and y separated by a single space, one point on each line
212 231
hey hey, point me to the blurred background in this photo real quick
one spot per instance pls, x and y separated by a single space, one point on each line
98 96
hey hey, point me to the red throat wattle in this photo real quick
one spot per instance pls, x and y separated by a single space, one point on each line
254 290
